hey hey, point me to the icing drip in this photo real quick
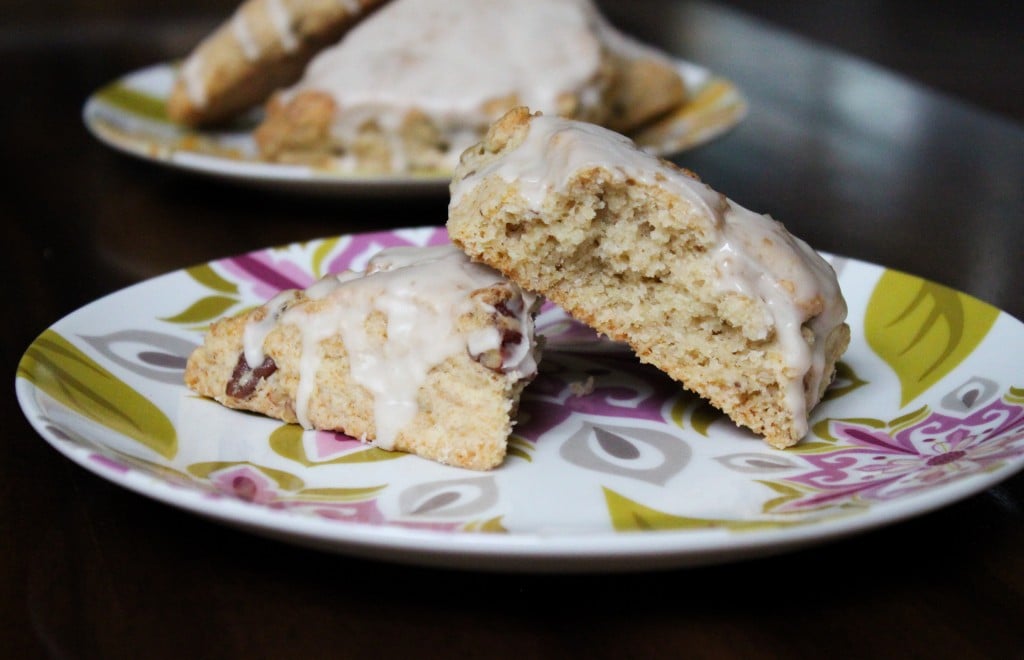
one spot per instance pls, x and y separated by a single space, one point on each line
242 29
754 255
451 59
243 35
282 22
759 259
256 332
420 292
192 75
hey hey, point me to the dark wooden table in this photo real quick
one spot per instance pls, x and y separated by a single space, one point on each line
855 160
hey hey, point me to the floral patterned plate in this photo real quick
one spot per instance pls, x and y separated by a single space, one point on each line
129 115
629 473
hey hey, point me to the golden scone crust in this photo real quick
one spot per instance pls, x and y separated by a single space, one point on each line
297 129
625 252
396 95
644 89
264 46
464 408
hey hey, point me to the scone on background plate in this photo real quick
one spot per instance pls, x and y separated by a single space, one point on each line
423 352
722 299
263 46
414 84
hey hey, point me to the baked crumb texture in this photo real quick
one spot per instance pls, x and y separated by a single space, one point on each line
460 414
618 247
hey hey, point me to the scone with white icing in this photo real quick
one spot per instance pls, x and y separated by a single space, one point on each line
423 352
724 300
264 46
413 85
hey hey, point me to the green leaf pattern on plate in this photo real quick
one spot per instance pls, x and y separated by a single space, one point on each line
702 414
341 494
134 102
630 516
491 525
789 492
923 330
57 367
846 380
203 310
592 448
520 448
211 307
284 480
287 441
208 277
324 249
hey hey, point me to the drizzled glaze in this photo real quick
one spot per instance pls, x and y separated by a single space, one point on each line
243 29
242 32
754 255
451 59
281 19
421 292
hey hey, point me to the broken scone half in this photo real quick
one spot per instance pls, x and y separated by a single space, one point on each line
422 352
722 299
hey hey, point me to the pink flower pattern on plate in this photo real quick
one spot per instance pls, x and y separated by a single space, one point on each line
877 464
270 271
246 483
249 483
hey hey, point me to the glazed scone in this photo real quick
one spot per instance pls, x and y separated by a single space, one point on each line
413 85
264 46
423 352
724 300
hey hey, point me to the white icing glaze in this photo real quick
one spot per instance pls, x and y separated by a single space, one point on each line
450 59
554 149
281 19
755 256
759 259
194 69
421 292
195 86
243 35
256 332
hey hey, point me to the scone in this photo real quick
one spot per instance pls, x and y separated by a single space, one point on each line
722 299
423 352
413 85
264 46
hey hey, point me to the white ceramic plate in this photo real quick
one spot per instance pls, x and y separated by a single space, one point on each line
129 115
928 409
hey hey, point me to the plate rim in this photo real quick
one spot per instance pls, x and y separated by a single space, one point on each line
302 178
517 552
607 550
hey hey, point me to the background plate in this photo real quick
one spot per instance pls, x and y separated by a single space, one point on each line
130 115
626 473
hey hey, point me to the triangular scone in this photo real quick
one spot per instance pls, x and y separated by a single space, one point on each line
413 85
265 45
423 352
722 299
